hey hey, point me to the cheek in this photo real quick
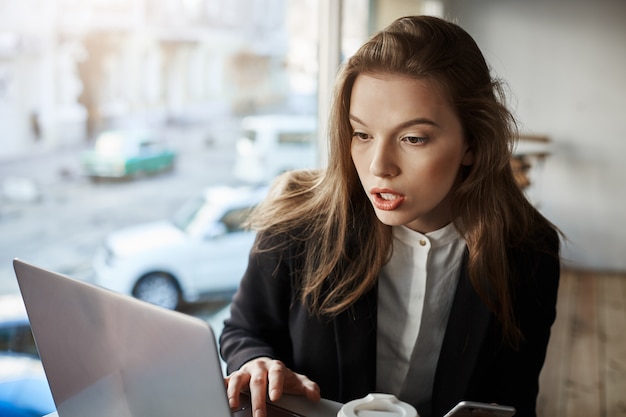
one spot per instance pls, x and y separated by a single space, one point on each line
441 172
456 157
359 159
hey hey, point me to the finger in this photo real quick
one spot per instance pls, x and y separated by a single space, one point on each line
236 381
276 380
258 391
310 389
301 385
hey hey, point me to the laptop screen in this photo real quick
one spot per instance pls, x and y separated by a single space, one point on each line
106 354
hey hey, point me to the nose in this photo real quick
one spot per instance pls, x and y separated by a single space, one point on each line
384 160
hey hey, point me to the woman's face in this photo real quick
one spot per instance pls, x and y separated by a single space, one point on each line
407 147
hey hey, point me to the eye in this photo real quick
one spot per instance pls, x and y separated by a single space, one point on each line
415 140
360 135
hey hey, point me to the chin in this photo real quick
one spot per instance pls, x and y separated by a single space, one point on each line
389 219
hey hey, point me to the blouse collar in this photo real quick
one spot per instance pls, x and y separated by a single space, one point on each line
437 238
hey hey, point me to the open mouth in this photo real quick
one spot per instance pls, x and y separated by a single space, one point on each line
388 196
387 200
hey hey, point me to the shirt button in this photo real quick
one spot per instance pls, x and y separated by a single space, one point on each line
422 242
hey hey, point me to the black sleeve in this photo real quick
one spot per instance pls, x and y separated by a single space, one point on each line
259 314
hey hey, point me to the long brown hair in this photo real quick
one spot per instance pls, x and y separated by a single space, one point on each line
336 222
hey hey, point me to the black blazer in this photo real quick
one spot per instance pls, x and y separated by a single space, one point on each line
339 353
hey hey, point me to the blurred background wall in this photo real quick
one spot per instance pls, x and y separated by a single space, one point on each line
565 64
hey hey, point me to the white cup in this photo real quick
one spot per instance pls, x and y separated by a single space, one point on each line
377 405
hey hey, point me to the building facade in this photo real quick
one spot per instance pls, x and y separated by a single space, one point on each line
69 68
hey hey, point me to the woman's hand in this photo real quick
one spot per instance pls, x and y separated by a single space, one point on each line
267 378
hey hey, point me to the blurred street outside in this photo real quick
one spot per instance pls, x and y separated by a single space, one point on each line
61 224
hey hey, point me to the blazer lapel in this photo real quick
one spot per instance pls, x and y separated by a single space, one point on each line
465 333
355 335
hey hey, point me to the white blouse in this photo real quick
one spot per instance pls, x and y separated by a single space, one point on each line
415 293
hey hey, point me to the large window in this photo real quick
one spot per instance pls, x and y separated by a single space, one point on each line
188 73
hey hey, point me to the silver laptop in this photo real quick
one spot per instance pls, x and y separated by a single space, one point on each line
107 354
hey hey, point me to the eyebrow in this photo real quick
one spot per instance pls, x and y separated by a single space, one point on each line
408 123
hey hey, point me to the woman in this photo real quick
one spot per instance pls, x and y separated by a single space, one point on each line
413 264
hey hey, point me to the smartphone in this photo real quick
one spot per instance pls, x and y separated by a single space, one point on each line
477 409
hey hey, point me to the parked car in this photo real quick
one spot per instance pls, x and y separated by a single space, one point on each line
272 144
15 333
203 250
24 389
126 153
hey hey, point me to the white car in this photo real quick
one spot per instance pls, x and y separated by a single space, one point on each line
202 250
272 144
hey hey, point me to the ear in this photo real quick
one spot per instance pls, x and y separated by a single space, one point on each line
468 157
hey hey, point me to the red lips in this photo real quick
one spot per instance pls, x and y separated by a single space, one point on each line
386 199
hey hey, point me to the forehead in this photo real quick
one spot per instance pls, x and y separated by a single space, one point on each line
398 96
400 80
